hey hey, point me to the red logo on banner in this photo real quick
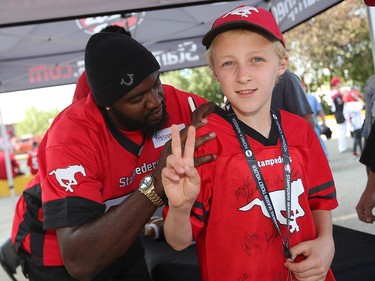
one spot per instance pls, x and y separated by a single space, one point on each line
95 24
370 2
44 73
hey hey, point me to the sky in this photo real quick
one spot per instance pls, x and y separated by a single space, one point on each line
13 105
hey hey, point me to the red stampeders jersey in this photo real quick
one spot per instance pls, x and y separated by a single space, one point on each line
27 228
85 164
82 89
22 221
236 239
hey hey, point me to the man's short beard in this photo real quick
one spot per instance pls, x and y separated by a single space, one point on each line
147 129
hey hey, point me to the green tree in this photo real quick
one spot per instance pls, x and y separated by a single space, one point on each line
35 122
337 40
197 80
334 43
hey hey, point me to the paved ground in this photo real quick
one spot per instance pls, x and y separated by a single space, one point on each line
349 175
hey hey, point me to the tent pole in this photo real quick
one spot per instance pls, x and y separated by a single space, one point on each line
8 164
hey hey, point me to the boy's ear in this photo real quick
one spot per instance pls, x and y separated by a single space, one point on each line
214 75
283 65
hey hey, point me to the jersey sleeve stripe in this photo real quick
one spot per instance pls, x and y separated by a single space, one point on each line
199 212
70 211
331 195
322 187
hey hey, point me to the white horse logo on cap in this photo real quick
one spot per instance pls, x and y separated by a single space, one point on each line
66 176
242 11
123 82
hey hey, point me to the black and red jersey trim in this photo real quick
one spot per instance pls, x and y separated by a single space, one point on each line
272 138
198 206
81 211
125 142
323 187
32 225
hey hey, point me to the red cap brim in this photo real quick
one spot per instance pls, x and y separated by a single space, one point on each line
245 17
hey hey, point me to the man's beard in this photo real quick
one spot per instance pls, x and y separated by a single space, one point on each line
146 128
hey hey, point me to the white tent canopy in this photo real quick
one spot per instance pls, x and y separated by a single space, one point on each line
22 12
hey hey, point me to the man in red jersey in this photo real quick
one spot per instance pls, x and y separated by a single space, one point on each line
95 156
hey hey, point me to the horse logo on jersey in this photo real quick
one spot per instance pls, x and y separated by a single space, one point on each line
244 11
66 176
278 200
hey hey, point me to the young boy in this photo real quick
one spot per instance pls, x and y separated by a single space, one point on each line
261 211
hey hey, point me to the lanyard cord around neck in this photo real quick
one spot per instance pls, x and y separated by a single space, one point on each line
261 185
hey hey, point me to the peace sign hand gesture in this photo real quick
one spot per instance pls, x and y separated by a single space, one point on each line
180 178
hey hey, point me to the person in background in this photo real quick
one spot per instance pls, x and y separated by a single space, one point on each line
370 106
318 112
338 109
99 167
82 89
32 159
288 94
15 166
353 105
366 203
8 141
268 195
370 109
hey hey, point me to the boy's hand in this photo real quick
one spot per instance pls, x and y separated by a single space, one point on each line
168 150
319 255
180 178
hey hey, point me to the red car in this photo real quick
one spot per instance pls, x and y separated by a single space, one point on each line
23 144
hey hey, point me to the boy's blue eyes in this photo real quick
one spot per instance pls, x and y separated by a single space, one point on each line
229 63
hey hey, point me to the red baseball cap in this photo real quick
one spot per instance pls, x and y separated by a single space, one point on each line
335 80
370 2
245 17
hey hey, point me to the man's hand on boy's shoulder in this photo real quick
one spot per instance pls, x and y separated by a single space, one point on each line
202 111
